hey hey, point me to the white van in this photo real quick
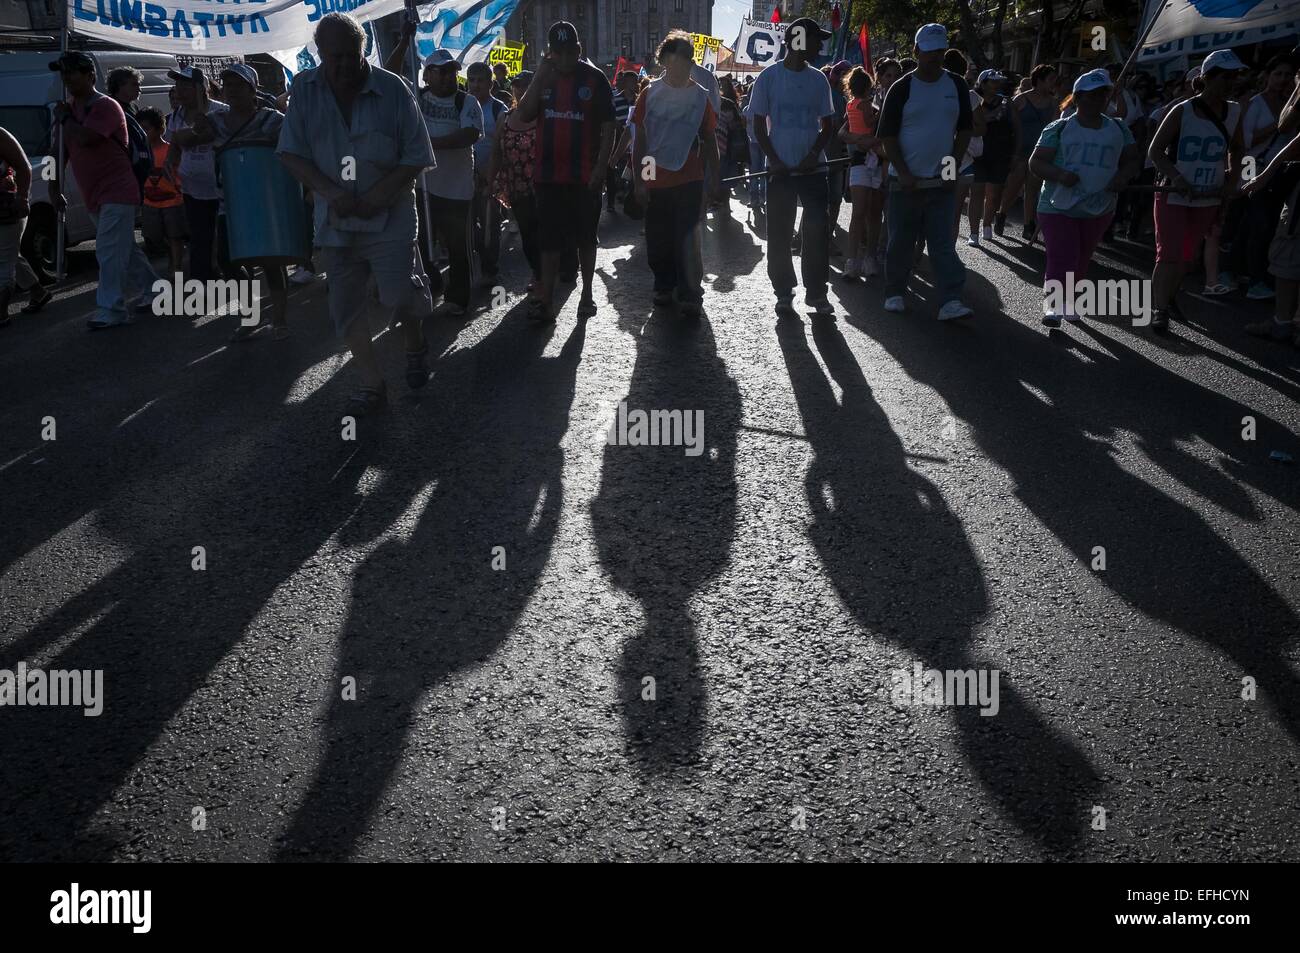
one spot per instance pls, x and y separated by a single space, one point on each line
28 93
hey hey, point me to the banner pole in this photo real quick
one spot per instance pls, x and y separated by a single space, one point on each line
414 54
1161 6
61 215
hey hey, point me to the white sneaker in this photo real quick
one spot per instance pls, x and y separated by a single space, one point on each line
974 240
302 276
953 309
987 232
852 268
869 269
895 304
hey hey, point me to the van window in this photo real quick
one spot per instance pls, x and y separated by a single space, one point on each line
30 125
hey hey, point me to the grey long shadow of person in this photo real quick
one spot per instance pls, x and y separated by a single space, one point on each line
902 565
729 244
428 606
664 523
155 626
1162 556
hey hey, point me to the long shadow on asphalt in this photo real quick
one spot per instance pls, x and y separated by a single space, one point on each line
902 564
664 523
1221 320
219 461
1065 453
728 244
432 604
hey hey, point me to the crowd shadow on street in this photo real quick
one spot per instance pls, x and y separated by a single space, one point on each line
901 563
1057 419
664 523
427 602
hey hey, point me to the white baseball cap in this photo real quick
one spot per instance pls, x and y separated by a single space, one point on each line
932 37
442 58
1221 59
1093 79
989 74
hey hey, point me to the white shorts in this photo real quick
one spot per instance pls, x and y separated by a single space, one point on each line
865 176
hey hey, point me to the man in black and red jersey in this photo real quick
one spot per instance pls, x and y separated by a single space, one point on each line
574 108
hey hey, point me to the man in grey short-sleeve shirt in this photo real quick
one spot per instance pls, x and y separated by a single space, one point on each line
354 135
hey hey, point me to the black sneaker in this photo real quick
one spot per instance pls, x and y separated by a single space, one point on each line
1051 321
1160 321
999 224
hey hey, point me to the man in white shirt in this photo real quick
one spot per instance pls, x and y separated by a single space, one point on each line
925 124
455 122
792 113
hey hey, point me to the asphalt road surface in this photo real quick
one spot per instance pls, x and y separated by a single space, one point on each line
871 494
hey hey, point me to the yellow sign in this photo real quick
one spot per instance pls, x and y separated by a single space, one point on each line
510 53
706 49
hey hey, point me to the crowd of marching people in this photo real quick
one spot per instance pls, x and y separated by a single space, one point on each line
400 178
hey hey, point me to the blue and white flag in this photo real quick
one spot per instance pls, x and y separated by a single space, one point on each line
467 28
1181 19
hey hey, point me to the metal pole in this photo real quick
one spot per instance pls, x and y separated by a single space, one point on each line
60 231
412 16
1141 41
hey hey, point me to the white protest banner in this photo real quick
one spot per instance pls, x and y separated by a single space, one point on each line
1178 19
759 43
466 27
307 57
1202 44
213 27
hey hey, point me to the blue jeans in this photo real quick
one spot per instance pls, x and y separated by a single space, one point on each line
758 184
124 271
927 214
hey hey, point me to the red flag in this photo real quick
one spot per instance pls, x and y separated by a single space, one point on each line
776 14
835 17
864 42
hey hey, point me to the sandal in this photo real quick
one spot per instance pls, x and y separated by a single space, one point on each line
367 400
1216 289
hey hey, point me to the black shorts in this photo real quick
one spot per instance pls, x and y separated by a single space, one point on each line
567 215
992 170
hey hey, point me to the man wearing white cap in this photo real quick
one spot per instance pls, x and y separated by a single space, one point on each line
1204 134
925 124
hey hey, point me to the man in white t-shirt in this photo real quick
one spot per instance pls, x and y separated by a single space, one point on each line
925 125
792 112
454 120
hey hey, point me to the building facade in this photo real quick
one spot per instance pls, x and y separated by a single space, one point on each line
609 28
